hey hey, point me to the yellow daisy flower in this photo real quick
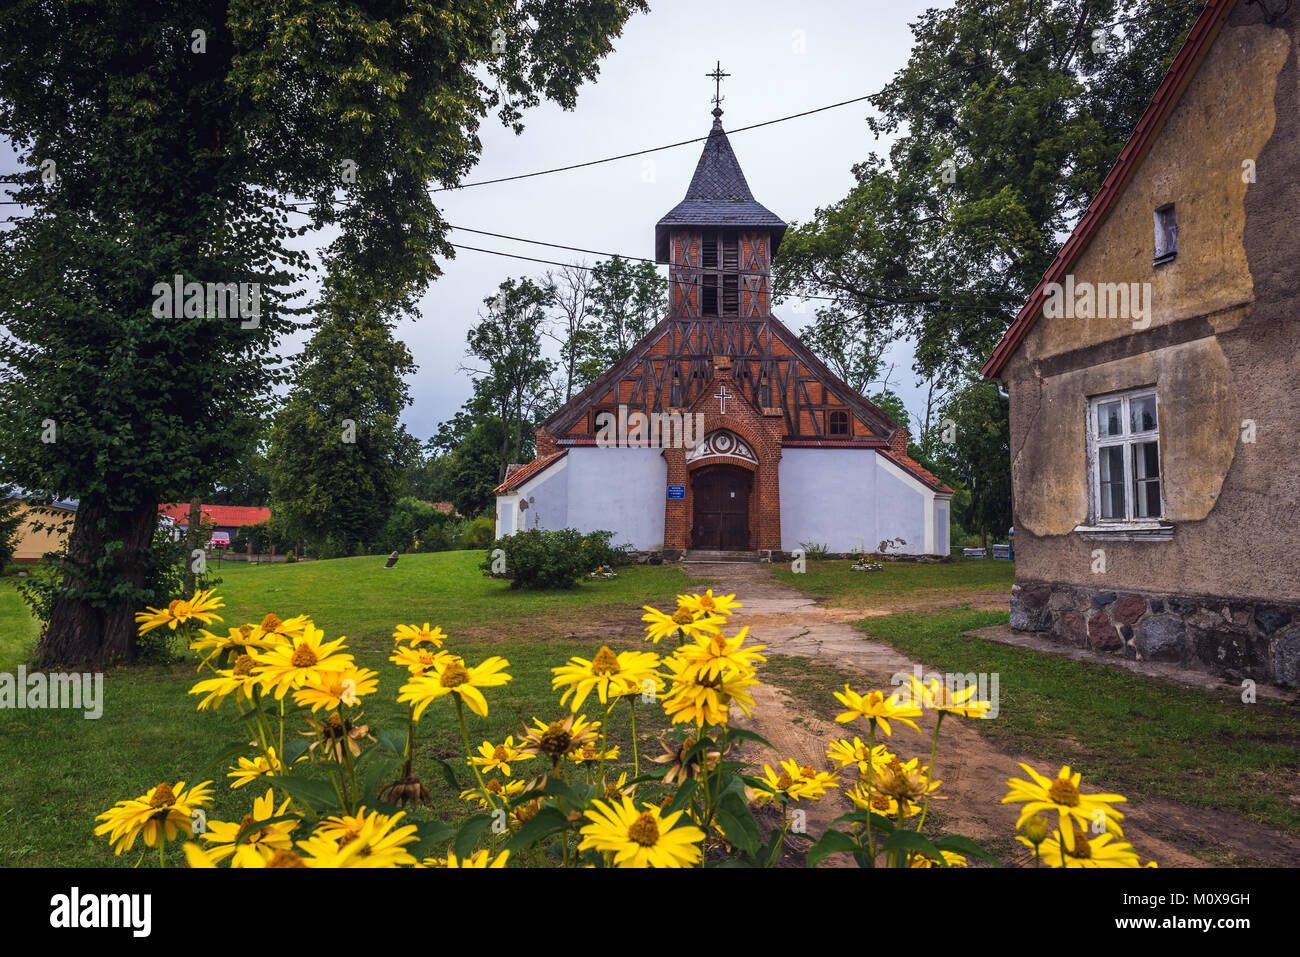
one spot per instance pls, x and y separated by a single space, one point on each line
938 696
482 859
337 687
273 630
263 841
500 789
610 675
1104 850
159 814
591 753
795 782
874 706
559 738
925 860
706 702
181 611
453 677
361 840
844 754
251 769
683 620
644 838
236 643
881 804
302 662
710 654
709 603
1062 796
419 635
498 757
243 678
419 660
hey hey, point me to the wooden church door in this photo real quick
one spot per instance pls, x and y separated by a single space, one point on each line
721 508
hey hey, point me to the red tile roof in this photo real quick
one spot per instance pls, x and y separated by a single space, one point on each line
220 515
915 467
522 474
1180 73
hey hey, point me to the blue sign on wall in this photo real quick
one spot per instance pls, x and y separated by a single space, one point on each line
677 491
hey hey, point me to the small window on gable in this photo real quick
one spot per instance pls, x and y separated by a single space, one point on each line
839 423
1166 244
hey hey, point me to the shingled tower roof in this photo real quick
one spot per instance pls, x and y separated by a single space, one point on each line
718 196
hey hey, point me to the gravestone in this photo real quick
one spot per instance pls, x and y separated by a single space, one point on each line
392 560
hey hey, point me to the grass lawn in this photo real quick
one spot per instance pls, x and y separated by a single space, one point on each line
839 586
18 630
61 769
1135 734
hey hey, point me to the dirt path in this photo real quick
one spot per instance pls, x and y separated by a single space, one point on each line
974 773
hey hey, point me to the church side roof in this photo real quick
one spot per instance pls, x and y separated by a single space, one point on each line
522 474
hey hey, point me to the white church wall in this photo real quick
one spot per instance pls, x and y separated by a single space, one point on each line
621 490
549 494
904 509
828 497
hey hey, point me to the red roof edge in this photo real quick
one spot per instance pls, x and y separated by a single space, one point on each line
522 474
1202 35
916 469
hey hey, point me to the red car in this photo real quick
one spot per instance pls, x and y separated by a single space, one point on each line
219 540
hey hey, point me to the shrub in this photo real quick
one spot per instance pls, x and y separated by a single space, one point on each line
541 558
478 532
814 551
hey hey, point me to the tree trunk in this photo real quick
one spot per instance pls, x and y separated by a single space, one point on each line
192 535
81 633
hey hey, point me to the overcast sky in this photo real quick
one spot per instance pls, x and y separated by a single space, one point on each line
783 58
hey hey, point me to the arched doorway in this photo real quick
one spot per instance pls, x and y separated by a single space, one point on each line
720 507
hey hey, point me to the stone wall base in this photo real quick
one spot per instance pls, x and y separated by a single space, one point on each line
1230 637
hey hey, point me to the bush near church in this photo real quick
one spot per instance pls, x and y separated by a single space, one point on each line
540 558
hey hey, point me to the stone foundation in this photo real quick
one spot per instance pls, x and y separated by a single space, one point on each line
1233 638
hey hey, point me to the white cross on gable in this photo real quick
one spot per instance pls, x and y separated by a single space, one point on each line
722 395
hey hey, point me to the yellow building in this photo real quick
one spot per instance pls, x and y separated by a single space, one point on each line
44 529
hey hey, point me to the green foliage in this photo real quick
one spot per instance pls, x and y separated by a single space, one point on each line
814 551
413 521
539 558
263 536
170 160
477 532
338 449
978 458
626 301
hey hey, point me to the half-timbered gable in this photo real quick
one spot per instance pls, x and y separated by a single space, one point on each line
720 430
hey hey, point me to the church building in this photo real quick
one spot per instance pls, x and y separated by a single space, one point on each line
720 431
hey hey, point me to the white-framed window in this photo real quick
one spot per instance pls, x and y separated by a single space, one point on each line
1124 458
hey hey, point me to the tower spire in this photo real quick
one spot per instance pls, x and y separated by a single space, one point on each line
716 76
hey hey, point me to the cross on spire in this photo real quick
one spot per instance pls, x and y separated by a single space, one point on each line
717 76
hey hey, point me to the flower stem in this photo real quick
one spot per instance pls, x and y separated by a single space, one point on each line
469 753
929 772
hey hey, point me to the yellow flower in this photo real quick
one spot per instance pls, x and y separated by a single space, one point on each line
452 677
337 687
250 770
937 696
264 841
499 789
1104 850
244 857
925 860
482 859
904 783
159 814
361 840
644 838
498 757
881 804
610 675
243 678
711 654
181 611
706 701
874 706
591 753
619 789
418 660
236 643
709 603
687 622
844 754
795 782
418 635
302 662
1063 797
275 631
559 738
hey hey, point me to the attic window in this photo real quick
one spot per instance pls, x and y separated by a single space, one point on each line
1166 241
839 423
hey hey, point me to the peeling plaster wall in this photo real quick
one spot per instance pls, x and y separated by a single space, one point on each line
1222 346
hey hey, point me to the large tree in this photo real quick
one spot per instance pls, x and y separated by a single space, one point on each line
159 140
626 300
1007 117
338 449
